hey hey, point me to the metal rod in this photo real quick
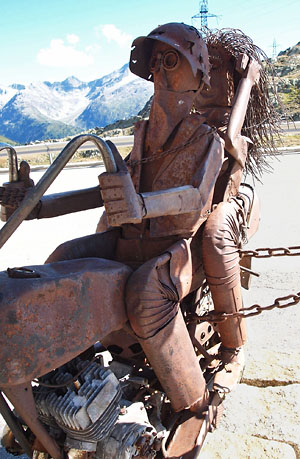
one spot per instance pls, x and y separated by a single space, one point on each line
21 397
247 270
33 196
14 426
12 161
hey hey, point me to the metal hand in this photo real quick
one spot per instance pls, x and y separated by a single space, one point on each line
122 203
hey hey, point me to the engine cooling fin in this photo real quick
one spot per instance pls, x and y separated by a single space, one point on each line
86 410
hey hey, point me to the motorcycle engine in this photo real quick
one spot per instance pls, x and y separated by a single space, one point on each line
84 405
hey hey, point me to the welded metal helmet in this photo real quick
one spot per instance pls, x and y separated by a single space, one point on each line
182 37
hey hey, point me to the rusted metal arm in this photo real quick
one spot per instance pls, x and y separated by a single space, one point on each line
54 205
239 108
173 201
33 196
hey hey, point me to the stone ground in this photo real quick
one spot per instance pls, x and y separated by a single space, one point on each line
262 416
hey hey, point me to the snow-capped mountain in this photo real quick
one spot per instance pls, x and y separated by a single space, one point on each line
6 93
118 95
51 110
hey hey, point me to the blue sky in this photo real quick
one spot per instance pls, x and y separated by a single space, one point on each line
51 40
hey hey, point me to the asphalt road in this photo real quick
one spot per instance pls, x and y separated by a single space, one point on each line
54 148
279 227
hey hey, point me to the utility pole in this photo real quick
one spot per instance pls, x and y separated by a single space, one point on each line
274 54
203 14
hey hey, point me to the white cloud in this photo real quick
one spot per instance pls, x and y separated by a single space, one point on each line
60 54
113 34
72 38
93 49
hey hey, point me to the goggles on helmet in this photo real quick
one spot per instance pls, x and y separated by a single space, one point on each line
169 60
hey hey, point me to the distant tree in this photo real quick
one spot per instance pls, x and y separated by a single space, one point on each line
293 96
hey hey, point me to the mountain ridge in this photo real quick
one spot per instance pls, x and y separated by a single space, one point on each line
44 110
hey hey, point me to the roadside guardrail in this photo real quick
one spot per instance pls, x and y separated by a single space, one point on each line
54 148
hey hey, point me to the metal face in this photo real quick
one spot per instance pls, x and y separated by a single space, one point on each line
221 91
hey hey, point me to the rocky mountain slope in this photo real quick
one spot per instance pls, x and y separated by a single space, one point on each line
114 102
287 79
287 71
51 110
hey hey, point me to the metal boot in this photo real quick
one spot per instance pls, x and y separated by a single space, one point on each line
233 331
172 357
179 373
233 336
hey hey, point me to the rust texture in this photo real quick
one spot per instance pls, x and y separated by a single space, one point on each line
175 199
51 319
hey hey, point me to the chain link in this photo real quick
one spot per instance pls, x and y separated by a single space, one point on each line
162 154
217 317
268 252
255 309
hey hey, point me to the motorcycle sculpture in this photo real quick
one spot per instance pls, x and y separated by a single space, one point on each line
54 318
139 289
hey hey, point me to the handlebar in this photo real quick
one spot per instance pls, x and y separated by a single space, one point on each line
12 161
34 195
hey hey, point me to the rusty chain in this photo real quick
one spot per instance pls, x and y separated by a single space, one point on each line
268 252
217 317
161 154
280 303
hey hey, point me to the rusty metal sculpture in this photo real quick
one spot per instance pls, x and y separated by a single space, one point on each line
149 263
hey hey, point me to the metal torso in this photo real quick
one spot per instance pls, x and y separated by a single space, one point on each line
181 167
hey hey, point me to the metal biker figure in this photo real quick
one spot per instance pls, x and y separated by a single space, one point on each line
174 164
238 90
156 214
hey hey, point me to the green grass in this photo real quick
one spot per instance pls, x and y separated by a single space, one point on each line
43 159
289 140
6 140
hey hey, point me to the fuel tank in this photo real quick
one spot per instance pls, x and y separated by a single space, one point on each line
51 313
